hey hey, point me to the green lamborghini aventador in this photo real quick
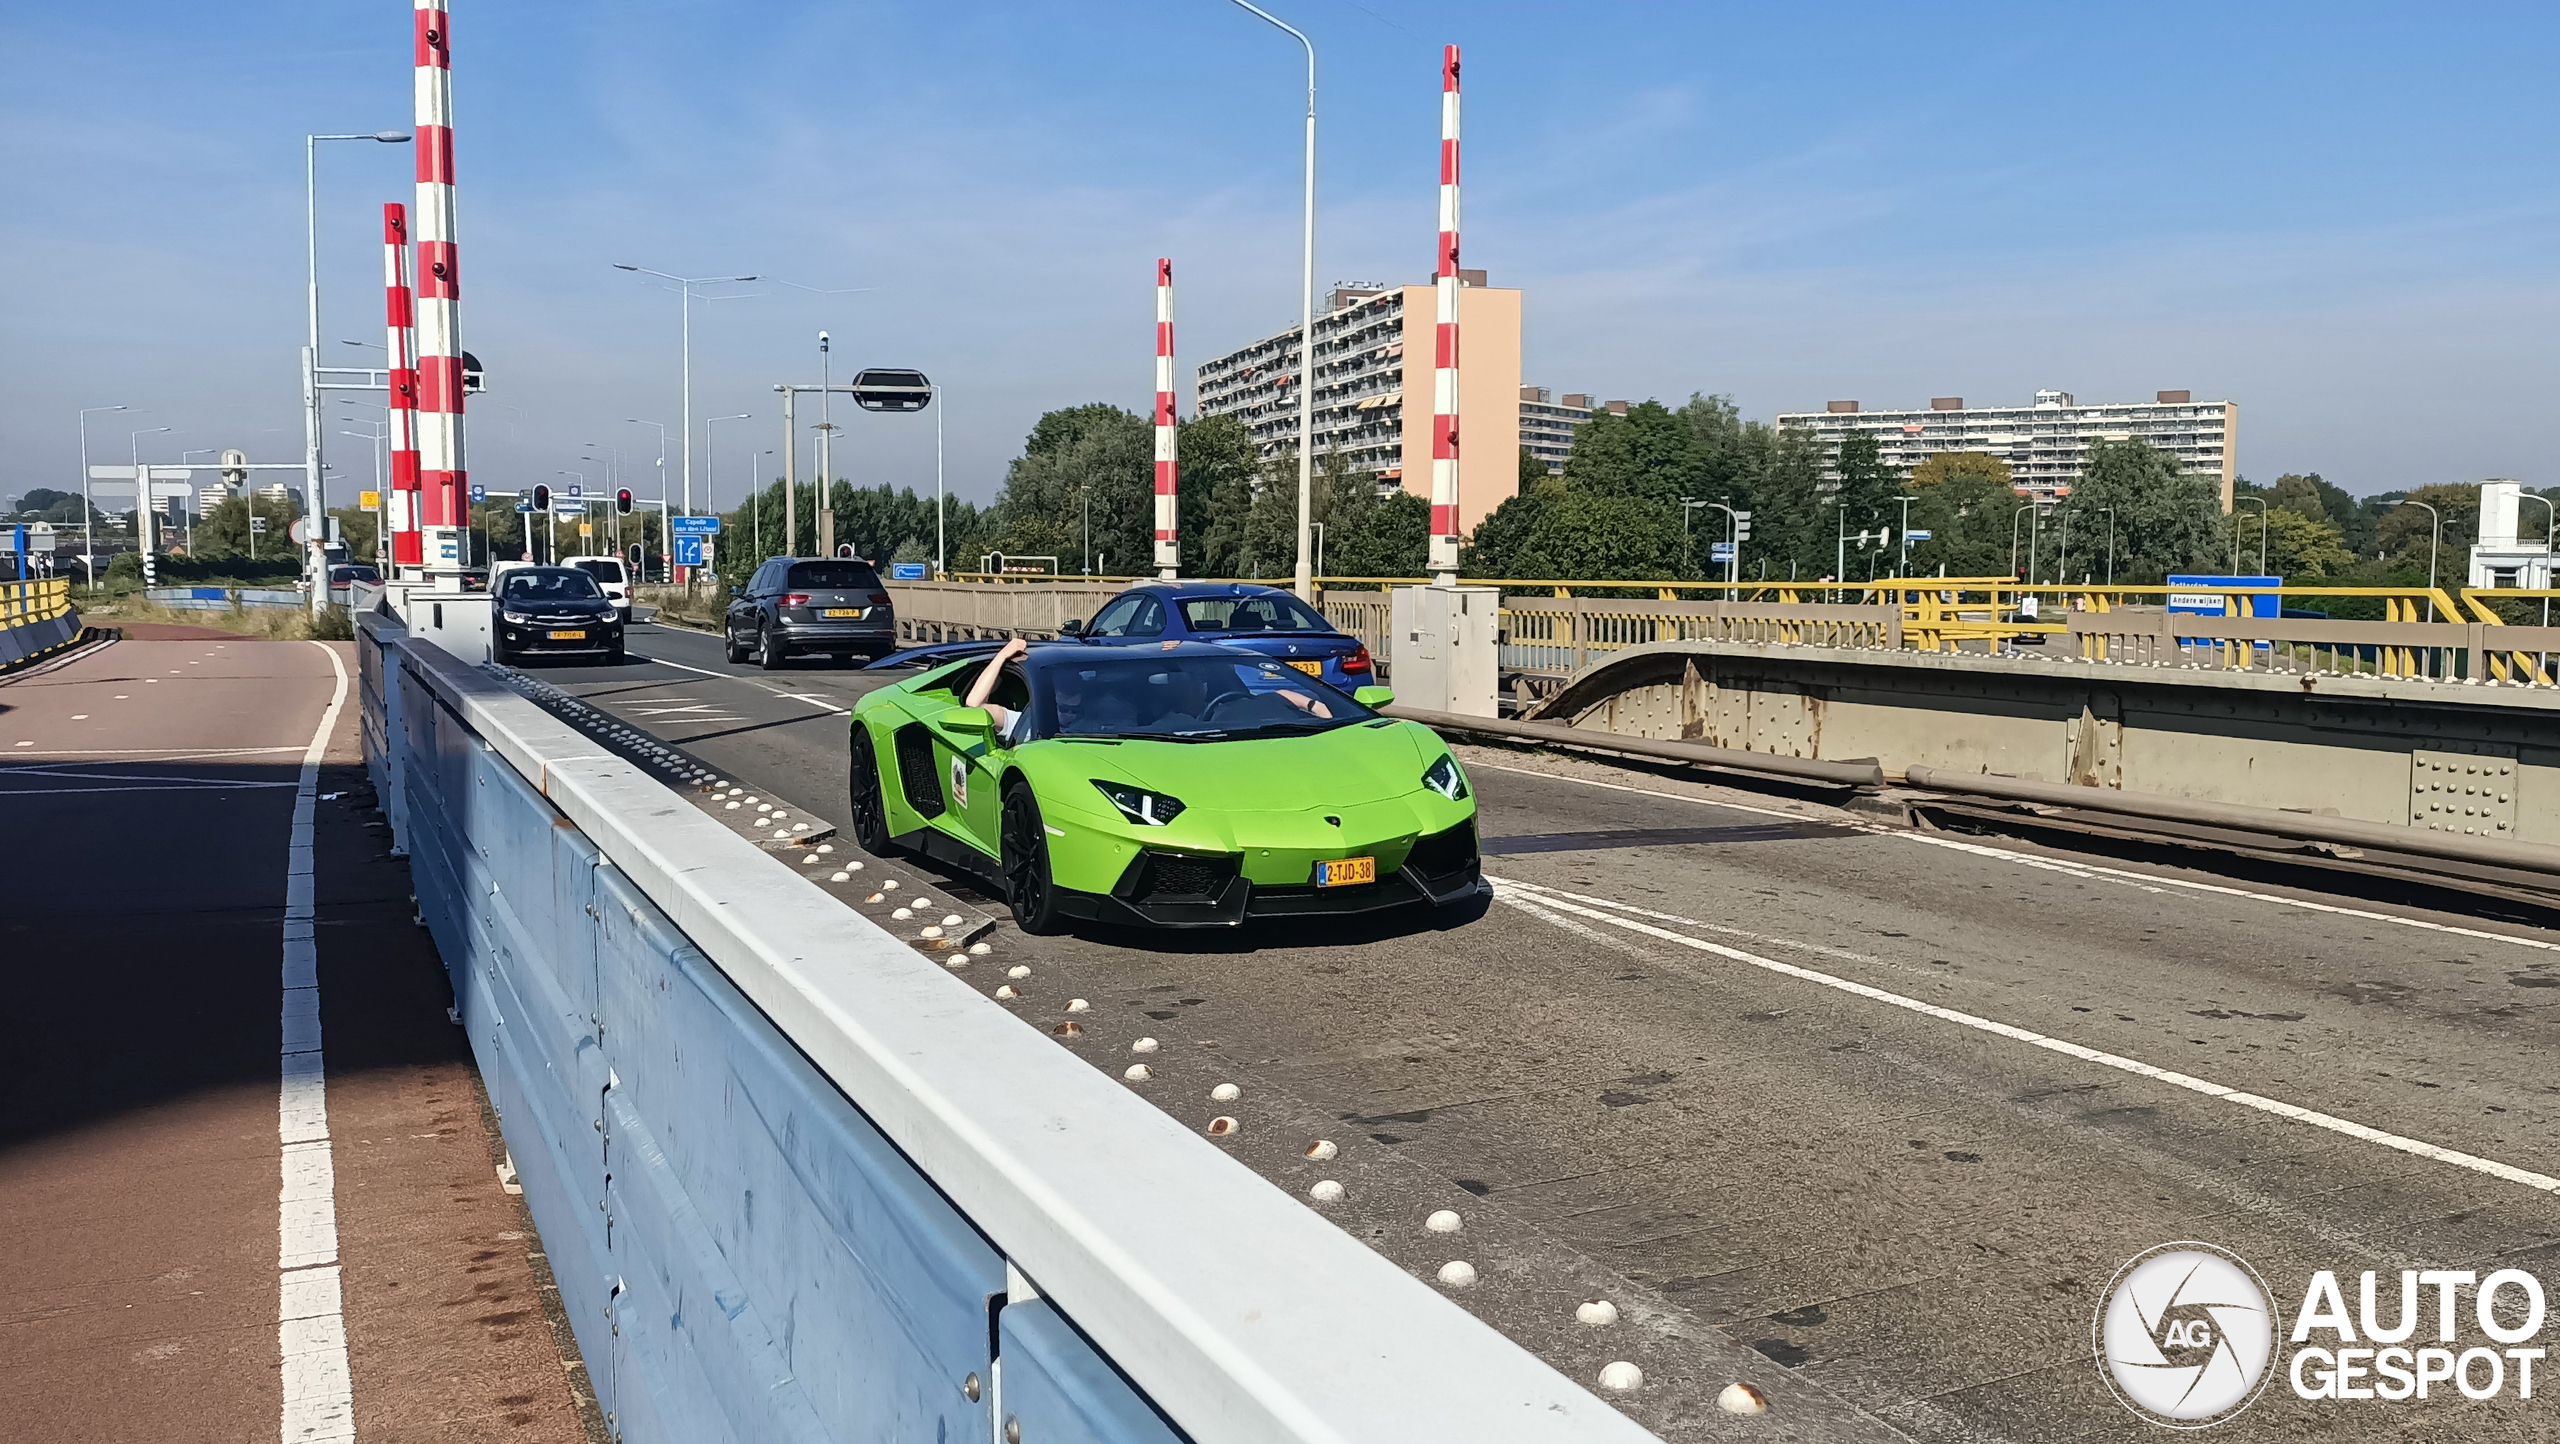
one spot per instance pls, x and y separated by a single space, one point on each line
1191 785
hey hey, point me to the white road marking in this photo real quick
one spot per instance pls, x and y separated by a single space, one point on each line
823 704
2089 871
311 1329
2418 1147
1819 949
681 667
161 754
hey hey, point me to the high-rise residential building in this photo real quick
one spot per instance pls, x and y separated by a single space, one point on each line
1372 391
1548 422
2044 443
209 497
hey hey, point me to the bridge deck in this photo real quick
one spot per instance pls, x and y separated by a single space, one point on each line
1687 1051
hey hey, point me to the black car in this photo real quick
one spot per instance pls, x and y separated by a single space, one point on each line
811 604
550 611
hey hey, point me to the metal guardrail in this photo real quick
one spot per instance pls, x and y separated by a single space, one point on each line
798 1183
1844 774
35 618
1556 637
2274 822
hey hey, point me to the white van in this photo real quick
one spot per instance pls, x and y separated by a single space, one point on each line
610 574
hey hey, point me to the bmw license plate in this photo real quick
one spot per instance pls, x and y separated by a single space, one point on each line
841 612
1312 669
577 636
1345 871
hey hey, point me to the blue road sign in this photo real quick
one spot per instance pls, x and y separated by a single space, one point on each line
524 507
1720 551
570 508
576 489
695 526
1915 534
688 548
479 493
906 571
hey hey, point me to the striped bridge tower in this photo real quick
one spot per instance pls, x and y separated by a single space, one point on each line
1168 520
1444 365
442 475
404 510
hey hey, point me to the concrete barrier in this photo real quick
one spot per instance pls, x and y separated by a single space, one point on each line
799 1183
35 618
2474 760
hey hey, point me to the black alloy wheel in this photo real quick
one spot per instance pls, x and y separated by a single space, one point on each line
769 653
870 808
1028 888
731 649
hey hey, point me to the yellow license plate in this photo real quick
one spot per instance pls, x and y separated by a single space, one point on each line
841 612
1312 669
1345 871
569 636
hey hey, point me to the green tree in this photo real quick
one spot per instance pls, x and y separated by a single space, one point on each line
1945 465
1651 454
1791 528
1968 512
2305 551
2307 495
224 531
1083 486
1865 486
2405 532
1534 475
2165 521
1218 459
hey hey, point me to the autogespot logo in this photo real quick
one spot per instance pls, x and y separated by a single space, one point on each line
2185 1335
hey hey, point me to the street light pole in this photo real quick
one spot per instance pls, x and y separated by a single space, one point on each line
2435 540
142 504
2262 533
1306 320
938 558
2111 544
685 285
711 458
88 524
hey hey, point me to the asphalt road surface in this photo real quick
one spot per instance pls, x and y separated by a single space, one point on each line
1890 1107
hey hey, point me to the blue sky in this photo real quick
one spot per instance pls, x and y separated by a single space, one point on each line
2341 216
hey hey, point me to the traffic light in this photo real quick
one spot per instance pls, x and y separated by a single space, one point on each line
622 501
541 497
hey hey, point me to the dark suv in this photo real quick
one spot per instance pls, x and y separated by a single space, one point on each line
811 604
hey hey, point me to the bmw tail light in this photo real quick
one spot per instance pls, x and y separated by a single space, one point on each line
1358 661
795 599
879 599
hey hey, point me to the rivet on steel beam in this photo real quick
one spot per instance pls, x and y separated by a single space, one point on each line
1013 1431
969 1388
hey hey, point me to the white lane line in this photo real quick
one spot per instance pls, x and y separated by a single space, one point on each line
156 754
172 787
311 1328
2089 871
823 704
814 701
2418 1147
1818 949
681 667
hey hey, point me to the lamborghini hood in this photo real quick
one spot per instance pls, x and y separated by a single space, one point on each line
1344 767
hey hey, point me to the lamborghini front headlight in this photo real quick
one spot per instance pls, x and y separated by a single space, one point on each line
1148 809
1445 779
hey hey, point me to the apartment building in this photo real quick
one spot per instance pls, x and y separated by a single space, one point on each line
2045 443
1548 422
1372 387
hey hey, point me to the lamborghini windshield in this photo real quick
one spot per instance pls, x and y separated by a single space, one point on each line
1195 698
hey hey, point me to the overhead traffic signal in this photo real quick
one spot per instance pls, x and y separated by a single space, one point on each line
622 501
1742 526
541 497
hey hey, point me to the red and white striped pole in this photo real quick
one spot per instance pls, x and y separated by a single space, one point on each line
1168 520
442 475
1444 366
406 550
